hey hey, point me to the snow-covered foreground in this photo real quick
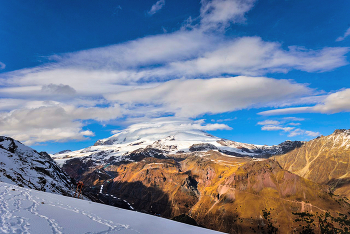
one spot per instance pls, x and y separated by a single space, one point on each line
29 211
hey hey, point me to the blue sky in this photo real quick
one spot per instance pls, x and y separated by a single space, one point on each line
255 71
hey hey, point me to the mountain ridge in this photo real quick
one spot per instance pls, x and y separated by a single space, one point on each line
23 166
325 160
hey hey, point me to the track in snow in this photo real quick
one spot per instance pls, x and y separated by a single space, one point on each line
29 211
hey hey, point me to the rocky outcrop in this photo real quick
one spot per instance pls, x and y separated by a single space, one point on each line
202 147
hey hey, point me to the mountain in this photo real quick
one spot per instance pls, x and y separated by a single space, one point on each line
28 211
168 142
25 167
325 160
219 184
227 194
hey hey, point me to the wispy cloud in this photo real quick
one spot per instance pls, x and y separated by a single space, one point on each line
156 7
275 128
346 34
282 125
298 132
190 98
220 13
333 103
164 127
287 111
2 66
269 122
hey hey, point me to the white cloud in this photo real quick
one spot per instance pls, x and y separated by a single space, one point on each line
216 14
52 122
170 125
165 48
333 103
191 98
58 89
269 122
299 131
10 104
275 128
346 34
253 56
274 125
287 111
156 7
2 66
294 124
293 119
187 54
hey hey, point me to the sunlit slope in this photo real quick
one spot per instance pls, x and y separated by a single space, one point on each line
221 193
325 160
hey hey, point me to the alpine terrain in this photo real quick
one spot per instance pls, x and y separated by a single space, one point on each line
191 175
325 160
25 167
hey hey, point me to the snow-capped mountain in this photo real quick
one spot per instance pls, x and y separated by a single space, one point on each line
28 211
23 166
168 140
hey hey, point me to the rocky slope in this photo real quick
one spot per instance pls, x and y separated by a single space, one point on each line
26 167
219 192
325 160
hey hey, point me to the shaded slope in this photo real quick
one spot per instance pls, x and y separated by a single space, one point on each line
25 167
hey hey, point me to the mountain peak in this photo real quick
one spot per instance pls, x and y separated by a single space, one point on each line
342 131
23 166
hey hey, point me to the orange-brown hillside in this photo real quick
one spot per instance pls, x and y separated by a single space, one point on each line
325 160
220 192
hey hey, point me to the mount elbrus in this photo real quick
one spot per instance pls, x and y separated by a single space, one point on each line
220 184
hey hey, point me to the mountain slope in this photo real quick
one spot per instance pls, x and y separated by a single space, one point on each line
325 160
220 192
25 167
29 211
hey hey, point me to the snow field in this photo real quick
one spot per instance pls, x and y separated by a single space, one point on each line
29 211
